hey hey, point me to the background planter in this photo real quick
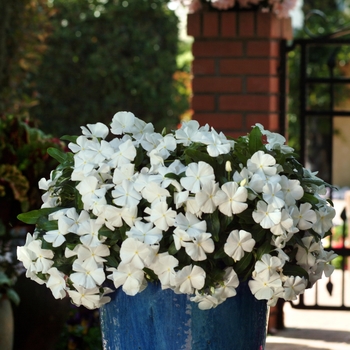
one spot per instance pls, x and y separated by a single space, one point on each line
160 319
6 324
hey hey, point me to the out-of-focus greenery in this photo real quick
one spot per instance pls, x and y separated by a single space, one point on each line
82 330
24 28
318 59
106 56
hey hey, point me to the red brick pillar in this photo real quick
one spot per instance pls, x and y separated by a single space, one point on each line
235 69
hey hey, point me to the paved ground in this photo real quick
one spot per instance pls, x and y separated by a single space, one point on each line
311 330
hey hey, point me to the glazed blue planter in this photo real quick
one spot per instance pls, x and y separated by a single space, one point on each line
162 320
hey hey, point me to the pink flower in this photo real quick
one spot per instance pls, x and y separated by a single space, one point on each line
282 8
248 3
223 4
194 6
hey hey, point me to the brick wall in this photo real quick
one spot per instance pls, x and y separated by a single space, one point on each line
235 69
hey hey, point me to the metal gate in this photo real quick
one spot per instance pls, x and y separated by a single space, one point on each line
319 75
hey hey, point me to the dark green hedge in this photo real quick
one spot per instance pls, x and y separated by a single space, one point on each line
106 56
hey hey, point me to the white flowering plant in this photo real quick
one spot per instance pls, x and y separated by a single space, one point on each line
191 209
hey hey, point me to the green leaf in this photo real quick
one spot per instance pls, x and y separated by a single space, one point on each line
294 270
172 249
244 263
70 138
309 198
172 176
112 261
13 296
32 217
59 155
220 254
46 225
255 140
264 249
197 156
214 226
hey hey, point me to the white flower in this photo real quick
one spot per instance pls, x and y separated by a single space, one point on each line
190 223
180 238
190 278
128 276
90 191
109 215
285 225
124 172
200 245
324 217
88 230
162 216
56 283
145 232
197 175
205 197
267 215
56 237
188 132
26 255
231 199
293 286
166 144
205 301
88 274
98 130
237 243
77 219
273 195
306 256
263 288
140 129
217 143
153 192
96 254
136 253
164 269
125 195
228 287
90 298
262 163
125 154
304 217
43 257
291 189
122 122
267 266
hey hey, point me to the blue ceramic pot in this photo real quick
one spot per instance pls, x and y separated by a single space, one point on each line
162 320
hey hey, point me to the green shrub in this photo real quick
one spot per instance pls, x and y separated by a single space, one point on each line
106 56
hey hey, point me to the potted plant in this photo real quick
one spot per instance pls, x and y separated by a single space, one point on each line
188 220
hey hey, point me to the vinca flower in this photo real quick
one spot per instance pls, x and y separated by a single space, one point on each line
194 210
237 243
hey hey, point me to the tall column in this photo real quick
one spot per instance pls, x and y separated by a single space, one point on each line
235 69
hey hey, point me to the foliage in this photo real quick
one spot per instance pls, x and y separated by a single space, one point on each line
98 61
23 162
81 331
23 31
191 208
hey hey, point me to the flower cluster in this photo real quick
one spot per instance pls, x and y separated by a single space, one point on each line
191 209
280 7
